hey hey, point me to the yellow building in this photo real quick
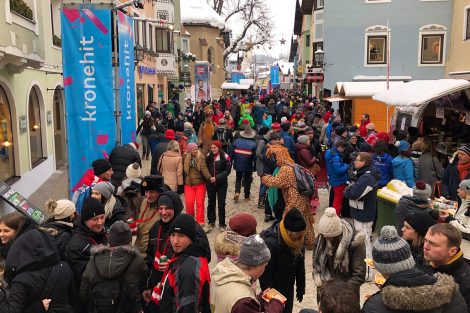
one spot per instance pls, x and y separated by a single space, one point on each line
458 65
203 29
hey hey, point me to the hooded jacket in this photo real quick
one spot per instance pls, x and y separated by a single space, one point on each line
232 291
106 263
384 164
362 195
79 247
404 170
34 272
414 291
336 169
170 166
284 268
408 204
61 232
305 157
120 158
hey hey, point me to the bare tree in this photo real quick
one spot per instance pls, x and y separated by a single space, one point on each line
255 17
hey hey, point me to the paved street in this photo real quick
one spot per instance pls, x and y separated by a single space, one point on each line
55 188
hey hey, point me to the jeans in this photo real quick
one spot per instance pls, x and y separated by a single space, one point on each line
263 191
145 146
196 194
218 191
247 179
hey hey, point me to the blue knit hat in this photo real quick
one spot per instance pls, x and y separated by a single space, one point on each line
403 145
391 253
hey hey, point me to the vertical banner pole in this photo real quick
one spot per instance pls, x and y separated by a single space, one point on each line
116 61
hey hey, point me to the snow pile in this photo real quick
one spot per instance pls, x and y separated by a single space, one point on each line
199 12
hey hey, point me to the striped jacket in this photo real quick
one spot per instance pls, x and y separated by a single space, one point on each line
243 154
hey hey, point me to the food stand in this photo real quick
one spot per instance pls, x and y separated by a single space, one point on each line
439 109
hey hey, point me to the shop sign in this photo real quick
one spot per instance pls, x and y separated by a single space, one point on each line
21 204
300 69
315 78
147 70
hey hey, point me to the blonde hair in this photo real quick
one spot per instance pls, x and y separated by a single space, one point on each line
173 146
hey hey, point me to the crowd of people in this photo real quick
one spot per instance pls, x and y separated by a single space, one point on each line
131 242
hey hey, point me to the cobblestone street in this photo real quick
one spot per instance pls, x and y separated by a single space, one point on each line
56 188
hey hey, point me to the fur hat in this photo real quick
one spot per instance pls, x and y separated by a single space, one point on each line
422 190
243 224
101 166
119 234
152 182
133 170
330 224
391 253
254 252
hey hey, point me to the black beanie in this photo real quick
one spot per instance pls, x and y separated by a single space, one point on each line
172 200
119 234
101 166
294 221
91 208
421 221
184 224
285 126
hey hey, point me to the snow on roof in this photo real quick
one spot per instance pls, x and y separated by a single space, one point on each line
381 78
234 86
199 12
365 89
419 92
285 67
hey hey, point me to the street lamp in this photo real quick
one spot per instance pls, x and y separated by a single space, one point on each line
139 53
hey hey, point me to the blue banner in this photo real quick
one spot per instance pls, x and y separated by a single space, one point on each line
126 77
274 76
236 76
88 84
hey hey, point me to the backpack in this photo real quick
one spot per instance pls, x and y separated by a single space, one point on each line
221 135
80 195
108 295
305 181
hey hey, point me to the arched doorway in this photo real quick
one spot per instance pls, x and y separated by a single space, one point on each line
7 158
35 128
59 128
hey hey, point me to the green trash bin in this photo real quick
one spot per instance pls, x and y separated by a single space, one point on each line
385 213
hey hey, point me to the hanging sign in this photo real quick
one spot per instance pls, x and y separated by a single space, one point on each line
439 113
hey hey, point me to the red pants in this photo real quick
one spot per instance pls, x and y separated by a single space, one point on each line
195 193
338 192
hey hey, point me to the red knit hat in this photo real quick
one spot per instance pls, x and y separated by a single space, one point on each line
383 136
217 143
275 126
170 134
243 224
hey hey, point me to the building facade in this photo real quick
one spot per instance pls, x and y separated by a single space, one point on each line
32 123
458 65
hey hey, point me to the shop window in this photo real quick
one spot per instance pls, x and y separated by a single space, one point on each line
55 24
376 46
164 40
316 46
307 41
185 45
35 128
467 23
7 159
432 45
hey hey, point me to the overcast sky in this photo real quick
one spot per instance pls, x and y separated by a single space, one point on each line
282 12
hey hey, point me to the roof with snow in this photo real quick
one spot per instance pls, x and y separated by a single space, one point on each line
200 13
364 89
419 92
285 67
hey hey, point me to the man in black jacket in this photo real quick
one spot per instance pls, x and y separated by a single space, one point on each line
285 241
88 231
121 157
454 172
442 250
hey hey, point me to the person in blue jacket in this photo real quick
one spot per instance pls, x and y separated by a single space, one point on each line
258 113
403 166
362 196
243 154
337 172
288 140
383 162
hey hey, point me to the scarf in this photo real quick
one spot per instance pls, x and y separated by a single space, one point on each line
463 169
296 245
273 192
324 248
192 161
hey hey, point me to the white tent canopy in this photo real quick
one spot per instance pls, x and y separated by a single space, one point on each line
364 89
419 92
234 86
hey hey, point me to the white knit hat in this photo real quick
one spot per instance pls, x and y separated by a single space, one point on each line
134 171
188 125
63 209
330 224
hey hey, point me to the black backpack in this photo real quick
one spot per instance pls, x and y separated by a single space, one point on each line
305 181
108 295
221 135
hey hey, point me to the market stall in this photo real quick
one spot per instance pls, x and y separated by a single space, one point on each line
438 110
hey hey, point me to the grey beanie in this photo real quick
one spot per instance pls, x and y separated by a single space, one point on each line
391 253
254 252
106 189
422 190
302 139
119 234
465 185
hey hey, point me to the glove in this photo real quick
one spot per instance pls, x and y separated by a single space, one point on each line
180 189
300 296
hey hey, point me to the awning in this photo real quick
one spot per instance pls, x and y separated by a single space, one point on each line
419 92
336 98
234 86
366 89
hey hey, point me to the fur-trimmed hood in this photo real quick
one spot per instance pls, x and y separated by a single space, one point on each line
111 262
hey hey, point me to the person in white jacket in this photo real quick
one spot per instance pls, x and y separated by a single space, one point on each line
461 219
